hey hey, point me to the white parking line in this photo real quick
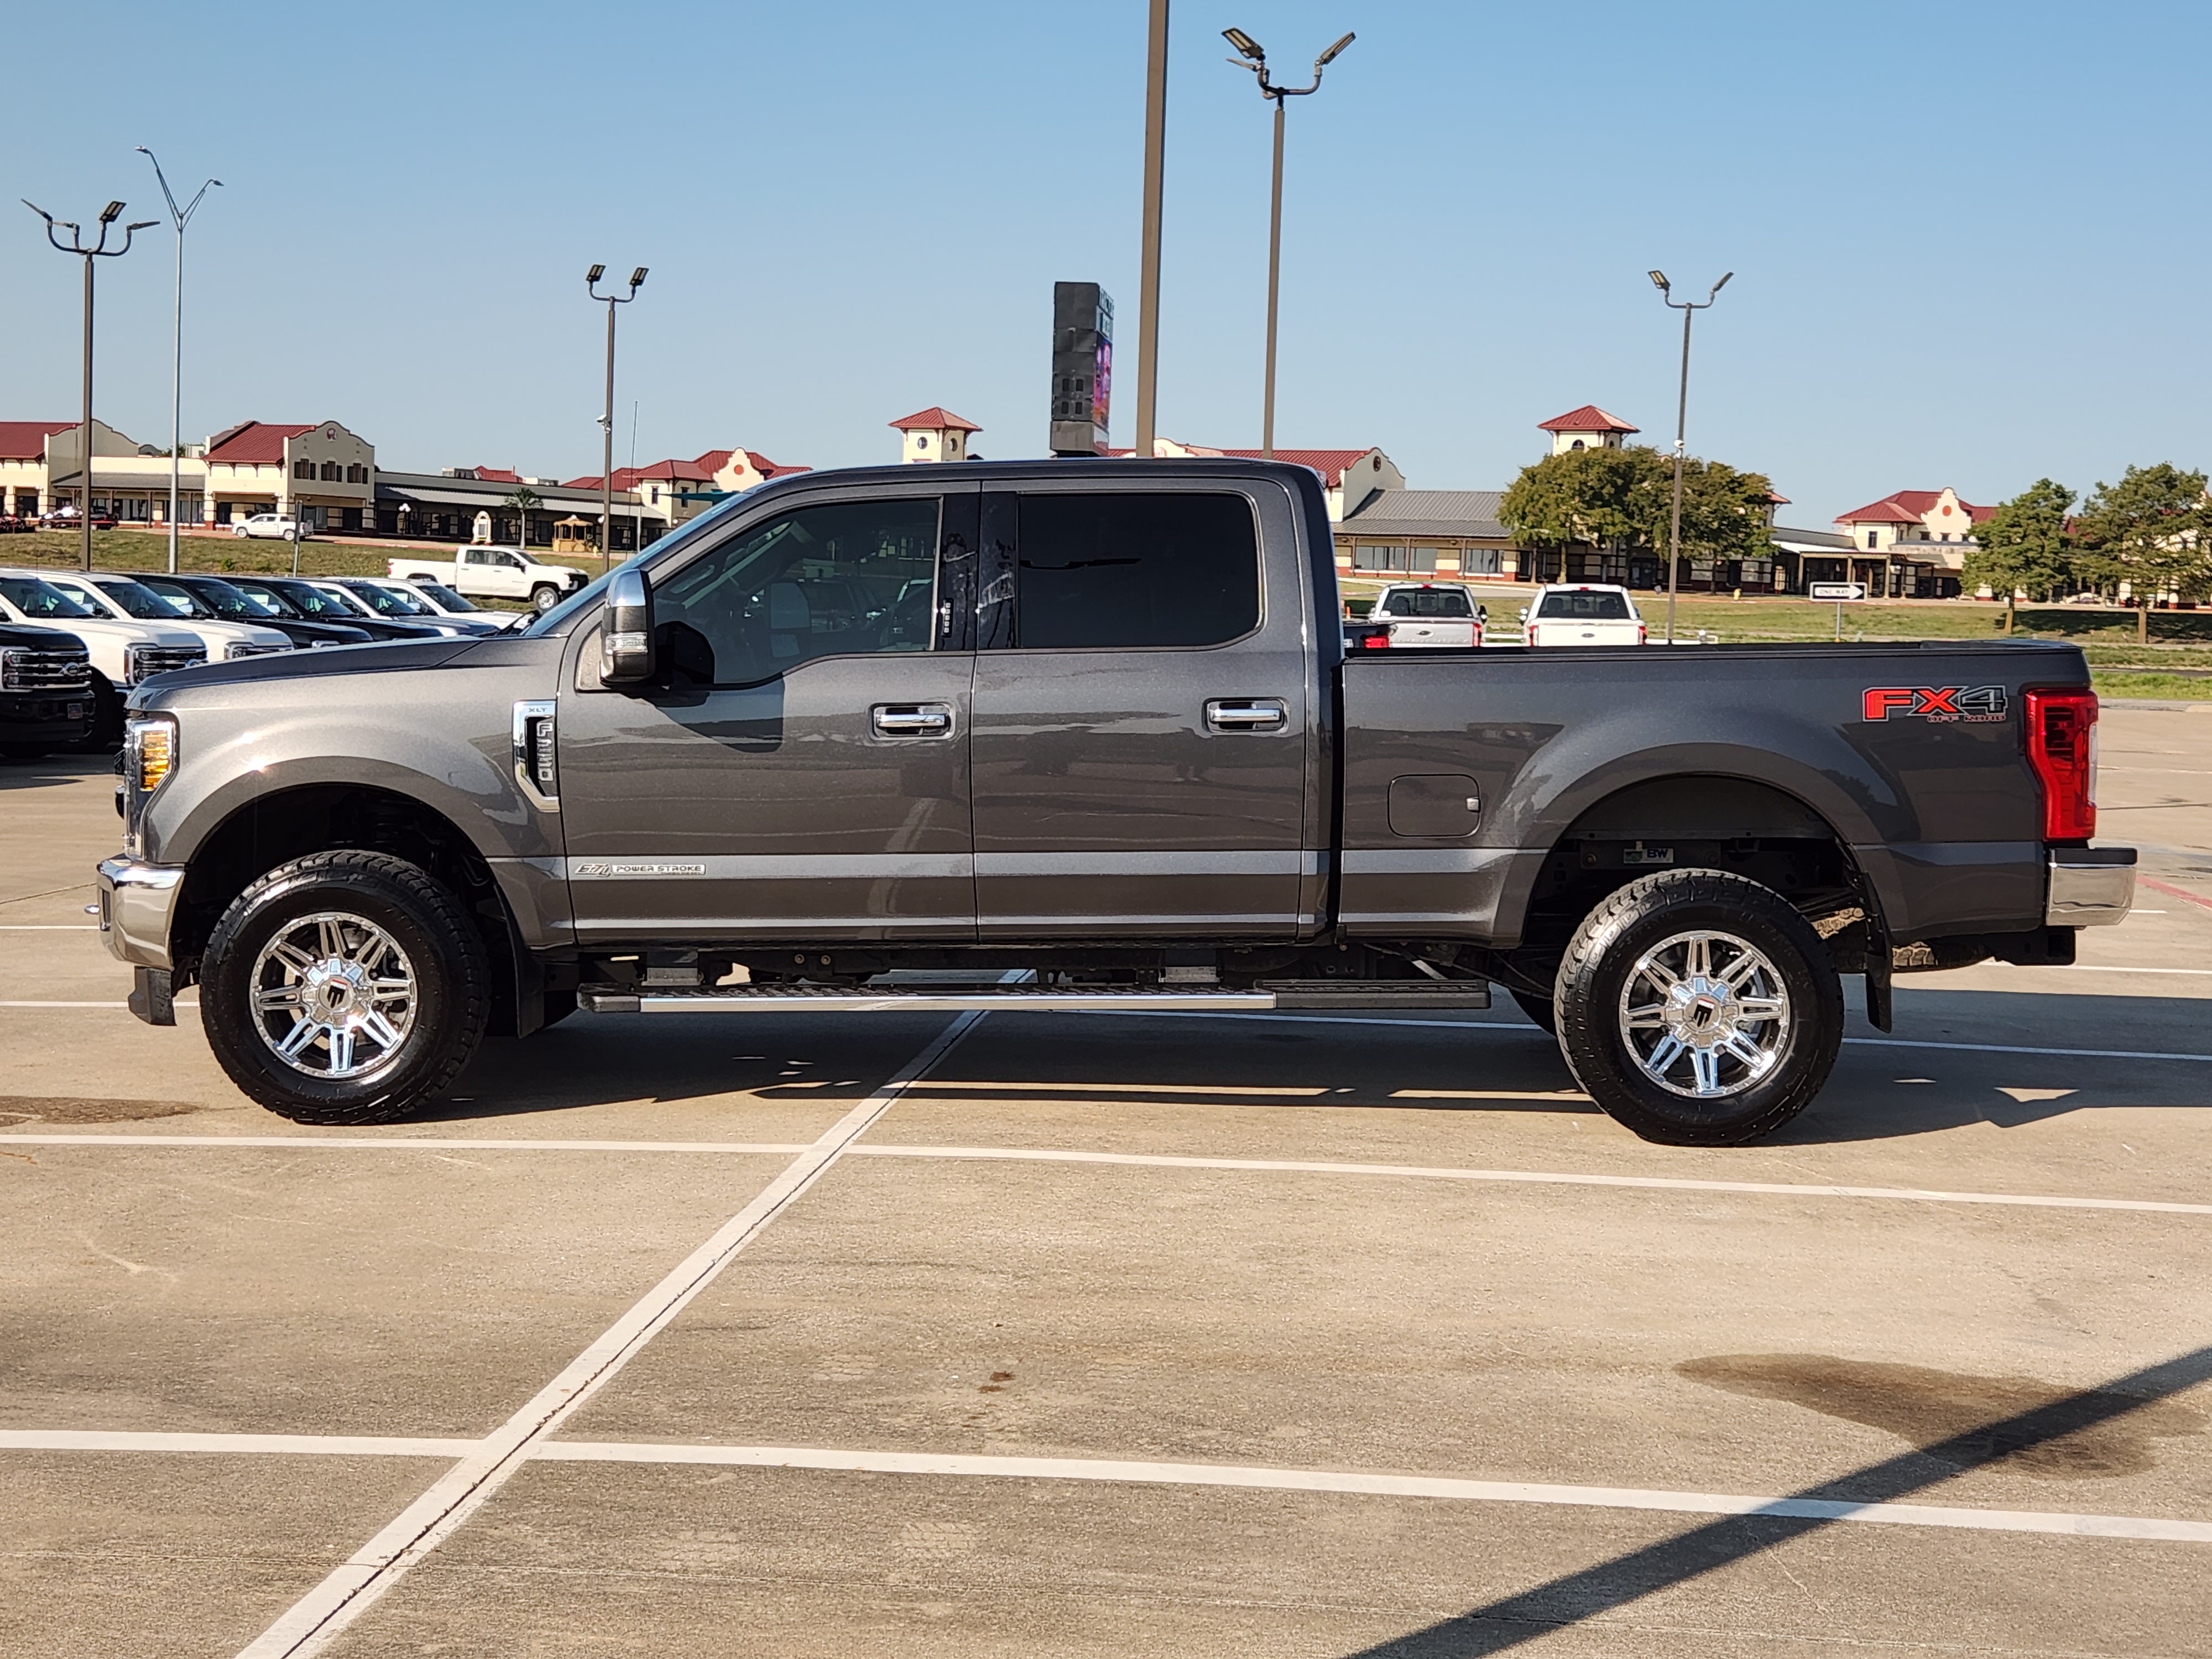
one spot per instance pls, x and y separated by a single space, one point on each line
49 926
1121 1472
318 1617
1136 1160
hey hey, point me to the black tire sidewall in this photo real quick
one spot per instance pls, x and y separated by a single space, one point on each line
443 959
1630 924
544 598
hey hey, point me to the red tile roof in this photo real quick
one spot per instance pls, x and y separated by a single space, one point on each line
934 419
716 460
1329 463
496 474
26 441
254 442
1907 507
1588 418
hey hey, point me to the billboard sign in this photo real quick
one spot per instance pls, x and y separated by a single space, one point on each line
1081 367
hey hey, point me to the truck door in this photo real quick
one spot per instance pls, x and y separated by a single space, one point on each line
1143 713
802 772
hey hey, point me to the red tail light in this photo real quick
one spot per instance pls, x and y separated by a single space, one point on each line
1376 641
2062 747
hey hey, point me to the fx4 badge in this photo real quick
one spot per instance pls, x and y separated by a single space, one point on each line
1937 702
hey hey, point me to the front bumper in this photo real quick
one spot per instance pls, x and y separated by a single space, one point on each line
138 902
2090 886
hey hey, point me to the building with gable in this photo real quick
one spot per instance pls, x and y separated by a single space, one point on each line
1587 428
1912 543
935 434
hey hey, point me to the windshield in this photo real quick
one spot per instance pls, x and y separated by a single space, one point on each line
301 599
1424 602
187 602
136 599
42 601
1584 607
387 601
277 604
445 598
343 602
236 602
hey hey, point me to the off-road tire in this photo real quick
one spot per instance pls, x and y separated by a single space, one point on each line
451 973
1603 954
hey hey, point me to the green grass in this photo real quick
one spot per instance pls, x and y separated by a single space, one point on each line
2174 688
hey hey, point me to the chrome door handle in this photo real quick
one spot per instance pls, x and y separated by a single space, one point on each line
1246 714
911 719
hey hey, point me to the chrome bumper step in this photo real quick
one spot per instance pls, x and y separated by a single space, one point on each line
1027 999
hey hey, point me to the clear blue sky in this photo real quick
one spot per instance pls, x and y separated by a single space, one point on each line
1969 240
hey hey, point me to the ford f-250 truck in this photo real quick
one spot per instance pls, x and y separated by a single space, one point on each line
1087 730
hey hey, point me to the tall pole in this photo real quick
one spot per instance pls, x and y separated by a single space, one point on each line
607 416
181 217
1274 285
1148 257
1256 60
1681 428
84 435
1682 432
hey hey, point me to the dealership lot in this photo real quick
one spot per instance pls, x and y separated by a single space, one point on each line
1078 1334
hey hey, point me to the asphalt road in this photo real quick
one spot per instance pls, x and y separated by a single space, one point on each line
1040 1334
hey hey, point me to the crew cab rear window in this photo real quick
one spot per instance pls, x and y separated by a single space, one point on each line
1584 607
1125 570
1426 602
843 579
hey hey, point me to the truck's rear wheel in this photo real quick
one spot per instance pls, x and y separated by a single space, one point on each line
345 987
1700 1009
544 598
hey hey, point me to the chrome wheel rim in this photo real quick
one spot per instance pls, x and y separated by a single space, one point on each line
334 996
1704 1015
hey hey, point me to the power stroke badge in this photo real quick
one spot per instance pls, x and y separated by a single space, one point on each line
1970 703
585 868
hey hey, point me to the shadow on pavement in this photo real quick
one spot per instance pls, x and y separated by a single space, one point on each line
1574 1598
50 769
1277 1064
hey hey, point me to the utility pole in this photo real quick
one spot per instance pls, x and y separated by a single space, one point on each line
1688 308
98 250
607 419
1256 60
1148 257
179 217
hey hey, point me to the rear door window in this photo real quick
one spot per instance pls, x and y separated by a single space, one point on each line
1127 570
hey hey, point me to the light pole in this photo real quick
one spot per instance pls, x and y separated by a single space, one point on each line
1148 250
607 420
98 250
179 217
1689 309
1256 60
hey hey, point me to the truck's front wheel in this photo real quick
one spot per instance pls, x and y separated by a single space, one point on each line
544 598
1700 1009
345 987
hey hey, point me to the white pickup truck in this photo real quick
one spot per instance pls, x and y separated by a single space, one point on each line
495 572
1583 613
1435 615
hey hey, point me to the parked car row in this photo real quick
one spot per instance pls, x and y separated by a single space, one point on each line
73 644
1445 615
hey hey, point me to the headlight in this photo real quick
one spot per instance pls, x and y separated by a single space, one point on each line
149 751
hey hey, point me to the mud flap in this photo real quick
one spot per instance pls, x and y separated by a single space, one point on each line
153 995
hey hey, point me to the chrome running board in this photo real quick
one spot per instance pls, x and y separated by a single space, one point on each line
1029 998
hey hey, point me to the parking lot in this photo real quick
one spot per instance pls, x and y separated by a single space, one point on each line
1040 1335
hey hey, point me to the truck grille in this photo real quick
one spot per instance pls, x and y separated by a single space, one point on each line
44 670
244 649
145 659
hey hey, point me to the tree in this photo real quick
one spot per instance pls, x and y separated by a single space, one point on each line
2148 529
521 501
2026 545
1619 499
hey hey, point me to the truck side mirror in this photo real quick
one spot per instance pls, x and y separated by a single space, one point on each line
626 635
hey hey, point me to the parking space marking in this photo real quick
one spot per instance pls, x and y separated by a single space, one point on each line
295 1445
1391 1485
330 1607
49 926
1122 1472
1531 1177
1135 1160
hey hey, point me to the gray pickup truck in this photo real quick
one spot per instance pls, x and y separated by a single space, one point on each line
1083 734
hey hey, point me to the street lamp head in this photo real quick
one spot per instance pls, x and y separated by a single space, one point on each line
36 208
1721 284
1329 56
111 213
142 150
143 224
594 274
637 279
1659 281
1245 45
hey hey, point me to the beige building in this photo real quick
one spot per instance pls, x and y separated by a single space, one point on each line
1912 543
323 474
1587 428
41 470
934 434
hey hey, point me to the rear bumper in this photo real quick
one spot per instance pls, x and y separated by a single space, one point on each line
138 902
2090 886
